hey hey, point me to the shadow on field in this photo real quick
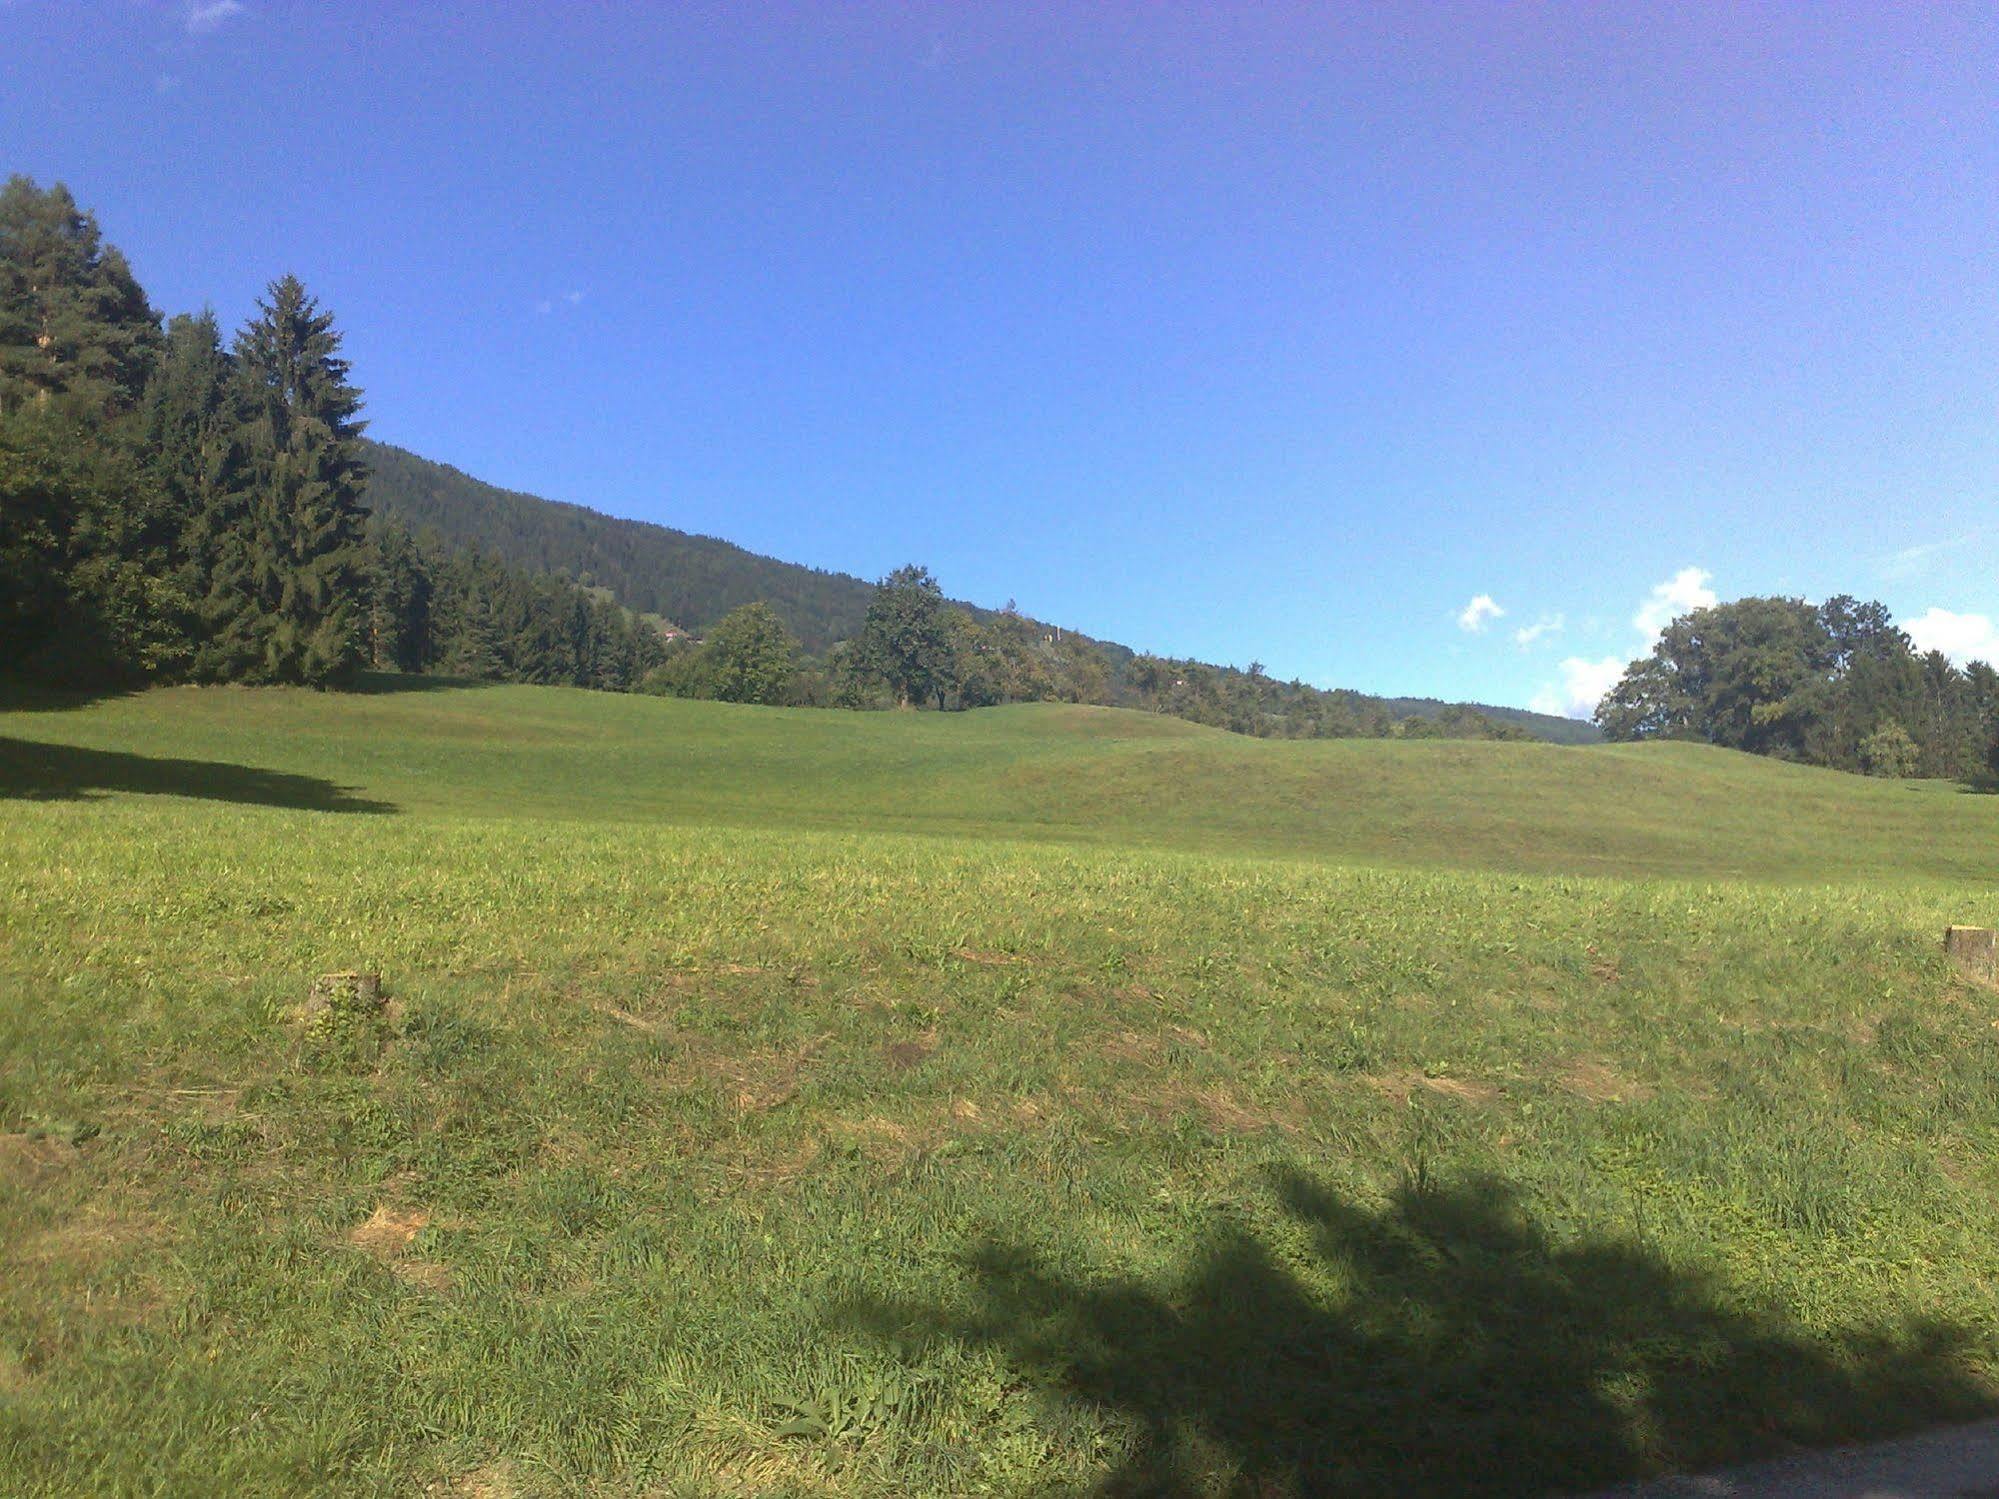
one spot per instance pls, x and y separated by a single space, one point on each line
384 683
34 771
1464 1352
33 697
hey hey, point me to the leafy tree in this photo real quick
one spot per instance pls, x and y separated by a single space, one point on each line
1835 685
293 578
750 656
903 646
1889 751
80 600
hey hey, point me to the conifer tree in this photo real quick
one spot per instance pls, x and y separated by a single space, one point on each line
399 606
86 586
73 320
194 436
292 583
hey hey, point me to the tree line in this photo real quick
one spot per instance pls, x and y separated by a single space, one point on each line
1836 684
914 649
184 507
181 508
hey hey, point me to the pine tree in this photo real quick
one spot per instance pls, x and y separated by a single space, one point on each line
87 590
194 435
73 320
399 604
293 581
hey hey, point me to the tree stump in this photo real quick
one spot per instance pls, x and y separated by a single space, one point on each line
1975 951
341 1001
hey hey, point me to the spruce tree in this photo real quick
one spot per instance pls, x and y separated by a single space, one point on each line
291 584
194 423
87 590
399 605
73 320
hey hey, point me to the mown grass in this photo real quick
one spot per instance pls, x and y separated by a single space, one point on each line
1032 1101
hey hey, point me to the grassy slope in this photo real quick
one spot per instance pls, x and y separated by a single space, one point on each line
1074 774
1036 1098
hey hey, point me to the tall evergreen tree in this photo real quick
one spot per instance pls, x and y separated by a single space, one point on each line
292 583
399 601
86 576
73 319
193 422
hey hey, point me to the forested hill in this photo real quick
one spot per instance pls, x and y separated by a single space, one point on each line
1541 725
695 580
691 580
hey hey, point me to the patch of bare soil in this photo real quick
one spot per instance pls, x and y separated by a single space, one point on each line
387 1235
27 1159
1403 1084
1222 1110
388 1231
1597 1083
903 1055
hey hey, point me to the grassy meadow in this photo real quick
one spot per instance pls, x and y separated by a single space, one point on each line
1038 1100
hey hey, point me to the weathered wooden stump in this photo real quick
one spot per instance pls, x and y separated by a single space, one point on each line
1975 951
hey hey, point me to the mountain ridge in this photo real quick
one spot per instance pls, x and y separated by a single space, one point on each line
692 580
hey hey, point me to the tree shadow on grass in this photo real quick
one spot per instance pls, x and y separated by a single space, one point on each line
1440 1345
17 696
385 683
33 771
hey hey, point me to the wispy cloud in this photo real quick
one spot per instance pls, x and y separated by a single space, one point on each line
204 18
1546 625
1479 613
166 83
1910 561
568 299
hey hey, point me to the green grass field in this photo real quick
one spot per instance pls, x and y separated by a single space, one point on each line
1031 1101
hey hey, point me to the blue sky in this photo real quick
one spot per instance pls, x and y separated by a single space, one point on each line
1247 332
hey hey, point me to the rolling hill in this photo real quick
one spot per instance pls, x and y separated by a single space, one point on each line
1040 1099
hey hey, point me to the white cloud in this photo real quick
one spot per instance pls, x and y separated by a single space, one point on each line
1547 624
1480 612
205 18
1582 687
1962 637
572 297
1584 682
166 83
1682 593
